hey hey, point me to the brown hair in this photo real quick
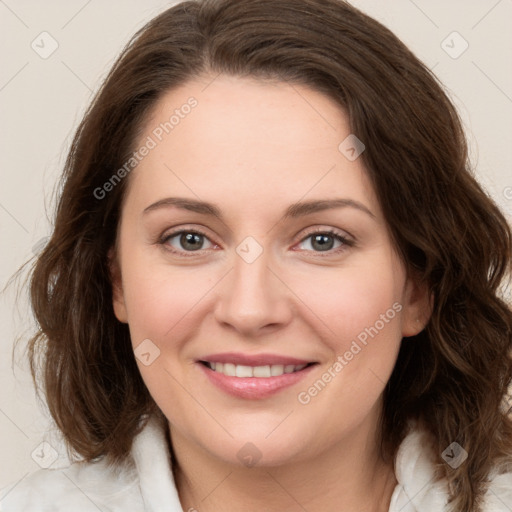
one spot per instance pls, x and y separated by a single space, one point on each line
452 376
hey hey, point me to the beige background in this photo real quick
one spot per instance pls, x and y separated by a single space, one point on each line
42 100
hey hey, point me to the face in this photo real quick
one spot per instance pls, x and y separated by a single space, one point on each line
265 301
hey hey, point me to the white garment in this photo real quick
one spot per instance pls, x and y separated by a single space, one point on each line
148 485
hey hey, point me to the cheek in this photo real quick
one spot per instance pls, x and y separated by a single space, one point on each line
160 299
163 304
358 312
350 301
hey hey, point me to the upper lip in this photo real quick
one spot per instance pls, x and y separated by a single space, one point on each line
253 359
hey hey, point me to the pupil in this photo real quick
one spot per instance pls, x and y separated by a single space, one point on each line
325 242
188 240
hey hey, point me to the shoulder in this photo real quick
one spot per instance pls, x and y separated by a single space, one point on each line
143 482
418 489
81 487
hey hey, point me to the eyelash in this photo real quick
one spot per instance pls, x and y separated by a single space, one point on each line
186 254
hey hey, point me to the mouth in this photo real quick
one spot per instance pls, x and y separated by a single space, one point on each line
254 381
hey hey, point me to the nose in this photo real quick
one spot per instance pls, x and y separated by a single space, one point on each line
253 298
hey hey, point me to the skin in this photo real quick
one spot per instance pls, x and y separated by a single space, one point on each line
254 148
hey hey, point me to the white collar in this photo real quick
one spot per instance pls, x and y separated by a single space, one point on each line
150 452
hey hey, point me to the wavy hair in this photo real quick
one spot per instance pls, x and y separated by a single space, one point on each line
452 377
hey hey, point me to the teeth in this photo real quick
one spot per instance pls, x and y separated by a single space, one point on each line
261 371
229 369
242 371
238 370
276 370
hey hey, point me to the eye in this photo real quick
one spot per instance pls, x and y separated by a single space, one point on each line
326 241
186 241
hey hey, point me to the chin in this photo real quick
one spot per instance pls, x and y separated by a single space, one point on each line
259 454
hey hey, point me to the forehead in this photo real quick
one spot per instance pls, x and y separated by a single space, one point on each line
260 143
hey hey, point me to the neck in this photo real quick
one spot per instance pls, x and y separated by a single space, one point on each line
349 476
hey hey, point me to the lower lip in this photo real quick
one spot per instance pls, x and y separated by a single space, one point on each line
254 388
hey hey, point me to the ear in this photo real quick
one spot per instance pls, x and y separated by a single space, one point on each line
117 287
417 306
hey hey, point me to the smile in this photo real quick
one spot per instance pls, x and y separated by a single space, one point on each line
238 370
253 377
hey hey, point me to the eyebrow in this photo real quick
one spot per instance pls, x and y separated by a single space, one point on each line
295 210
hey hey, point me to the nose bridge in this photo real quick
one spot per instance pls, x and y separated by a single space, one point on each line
252 297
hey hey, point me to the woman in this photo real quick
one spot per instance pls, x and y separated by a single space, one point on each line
273 282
